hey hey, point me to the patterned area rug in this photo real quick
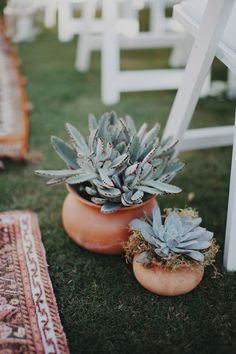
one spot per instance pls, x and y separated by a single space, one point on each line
29 320
14 125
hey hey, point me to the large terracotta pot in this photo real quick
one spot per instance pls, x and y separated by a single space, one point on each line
167 282
97 232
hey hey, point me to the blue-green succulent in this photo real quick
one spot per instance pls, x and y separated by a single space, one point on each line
117 164
177 234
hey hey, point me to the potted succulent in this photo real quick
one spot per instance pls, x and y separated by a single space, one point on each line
113 176
169 252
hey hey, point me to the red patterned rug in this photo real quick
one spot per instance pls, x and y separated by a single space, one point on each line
14 125
29 320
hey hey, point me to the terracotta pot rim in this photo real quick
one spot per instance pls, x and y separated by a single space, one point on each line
92 205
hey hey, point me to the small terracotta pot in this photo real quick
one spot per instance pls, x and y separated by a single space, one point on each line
163 281
97 232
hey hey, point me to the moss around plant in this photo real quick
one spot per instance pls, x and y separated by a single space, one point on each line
137 245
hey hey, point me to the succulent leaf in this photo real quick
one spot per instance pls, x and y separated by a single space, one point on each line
65 151
137 196
92 122
131 169
126 198
130 125
78 140
54 181
147 171
134 149
163 187
145 229
121 147
116 181
142 131
157 223
81 177
109 207
105 179
149 190
151 135
91 191
174 166
98 200
55 173
92 140
120 160
109 193
103 125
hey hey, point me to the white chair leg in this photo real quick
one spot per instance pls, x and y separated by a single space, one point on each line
25 29
198 66
179 57
64 17
180 52
157 16
230 238
50 15
83 52
110 53
128 10
231 83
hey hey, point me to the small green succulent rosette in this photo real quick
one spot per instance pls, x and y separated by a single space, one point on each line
116 165
172 239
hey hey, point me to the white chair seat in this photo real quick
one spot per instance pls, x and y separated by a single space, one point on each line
190 13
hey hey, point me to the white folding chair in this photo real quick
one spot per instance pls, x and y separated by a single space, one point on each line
125 30
213 24
19 15
115 81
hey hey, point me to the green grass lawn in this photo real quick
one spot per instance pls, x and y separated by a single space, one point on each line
102 307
